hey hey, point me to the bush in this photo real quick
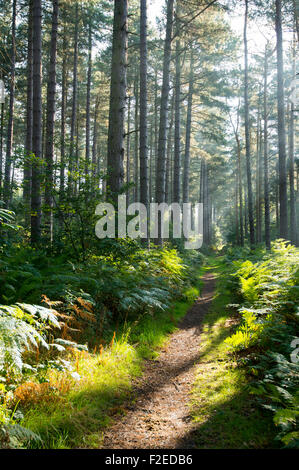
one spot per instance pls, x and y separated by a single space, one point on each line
269 289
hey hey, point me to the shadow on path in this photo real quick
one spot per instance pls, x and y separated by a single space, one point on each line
159 416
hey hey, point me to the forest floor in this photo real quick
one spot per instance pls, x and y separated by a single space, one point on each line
159 416
194 395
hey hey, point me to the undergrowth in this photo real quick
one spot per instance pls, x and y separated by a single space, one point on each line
225 415
267 288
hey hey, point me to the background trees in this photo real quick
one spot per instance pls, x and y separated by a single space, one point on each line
165 110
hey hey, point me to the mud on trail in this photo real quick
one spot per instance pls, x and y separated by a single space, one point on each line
160 416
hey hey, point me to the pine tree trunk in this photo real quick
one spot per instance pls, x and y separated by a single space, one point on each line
188 133
87 143
296 15
293 218
29 117
258 177
169 155
72 156
128 170
144 199
266 165
247 135
95 168
1 146
161 161
64 86
283 201
37 123
136 140
177 131
9 142
239 170
50 120
118 88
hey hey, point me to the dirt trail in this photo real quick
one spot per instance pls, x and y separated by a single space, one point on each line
160 416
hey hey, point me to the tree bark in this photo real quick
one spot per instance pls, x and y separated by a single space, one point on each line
10 124
266 165
177 127
128 170
1 146
161 162
74 106
94 161
87 143
50 122
136 139
29 117
247 135
296 15
283 201
143 106
188 133
63 117
37 123
293 218
118 88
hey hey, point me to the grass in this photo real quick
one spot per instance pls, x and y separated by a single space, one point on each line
225 415
78 417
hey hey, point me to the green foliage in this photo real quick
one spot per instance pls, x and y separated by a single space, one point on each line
269 287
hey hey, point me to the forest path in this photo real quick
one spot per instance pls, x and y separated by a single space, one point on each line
160 416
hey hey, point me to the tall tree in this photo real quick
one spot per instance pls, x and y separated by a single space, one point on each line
37 122
161 161
177 126
283 199
9 141
293 218
89 70
266 165
143 105
50 118
247 133
188 133
72 156
29 117
118 86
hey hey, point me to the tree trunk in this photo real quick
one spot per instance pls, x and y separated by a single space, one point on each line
247 134
169 155
161 162
37 123
128 171
29 117
9 142
1 146
283 201
118 88
266 165
50 120
296 15
143 106
74 106
293 219
87 144
64 86
136 139
188 133
177 128
94 162
258 175
239 170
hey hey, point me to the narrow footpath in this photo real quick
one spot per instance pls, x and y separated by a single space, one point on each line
160 416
